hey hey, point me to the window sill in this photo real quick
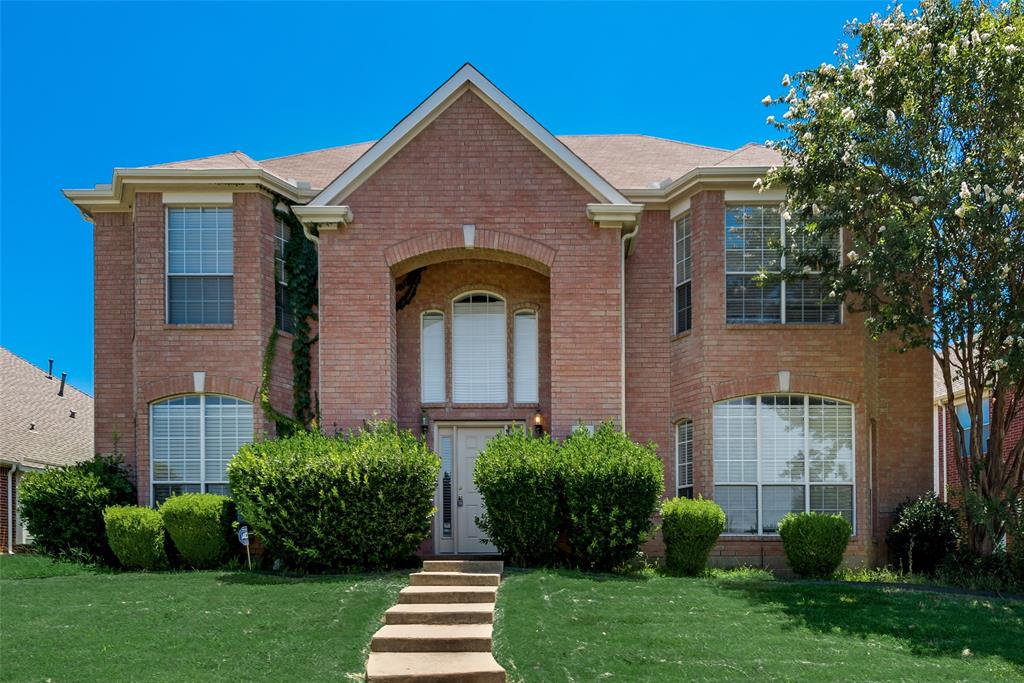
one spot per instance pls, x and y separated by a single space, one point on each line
199 326
782 326
682 335
286 335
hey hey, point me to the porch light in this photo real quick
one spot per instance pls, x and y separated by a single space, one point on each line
424 422
538 423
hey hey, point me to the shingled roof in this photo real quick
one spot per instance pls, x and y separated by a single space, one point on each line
626 161
36 427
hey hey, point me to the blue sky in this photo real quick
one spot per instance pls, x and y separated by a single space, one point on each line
87 87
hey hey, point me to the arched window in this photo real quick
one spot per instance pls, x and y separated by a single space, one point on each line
479 355
525 357
432 357
781 453
191 440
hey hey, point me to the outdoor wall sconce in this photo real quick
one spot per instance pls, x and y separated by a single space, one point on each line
424 422
538 423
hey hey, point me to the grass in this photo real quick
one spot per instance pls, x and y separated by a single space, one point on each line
562 626
68 623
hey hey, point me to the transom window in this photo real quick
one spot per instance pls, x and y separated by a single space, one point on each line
781 453
684 303
684 459
200 265
282 309
753 236
192 438
479 349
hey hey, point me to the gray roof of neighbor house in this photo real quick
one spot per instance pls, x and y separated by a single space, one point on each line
36 427
626 161
939 384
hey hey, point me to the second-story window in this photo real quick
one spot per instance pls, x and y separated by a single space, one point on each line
200 265
684 302
282 309
753 236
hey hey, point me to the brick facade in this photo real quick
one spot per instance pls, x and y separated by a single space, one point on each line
534 246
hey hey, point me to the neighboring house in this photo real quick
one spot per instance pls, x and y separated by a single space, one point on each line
944 472
560 280
44 422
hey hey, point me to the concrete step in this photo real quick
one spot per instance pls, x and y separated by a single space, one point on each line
432 638
466 613
433 667
467 566
446 594
453 579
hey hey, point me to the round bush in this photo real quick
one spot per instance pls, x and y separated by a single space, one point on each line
199 524
611 487
518 479
63 507
136 535
814 543
322 503
925 531
690 529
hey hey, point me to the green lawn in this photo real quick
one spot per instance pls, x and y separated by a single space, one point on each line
562 626
60 622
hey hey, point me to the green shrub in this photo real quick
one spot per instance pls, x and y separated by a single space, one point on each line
136 535
320 503
518 479
611 487
199 524
925 531
690 529
1000 571
814 543
63 507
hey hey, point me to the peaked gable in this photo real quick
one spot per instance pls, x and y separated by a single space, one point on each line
467 79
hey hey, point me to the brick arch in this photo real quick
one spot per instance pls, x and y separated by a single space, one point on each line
214 384
798 384
491 245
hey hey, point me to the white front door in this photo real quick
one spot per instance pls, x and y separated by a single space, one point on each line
468 503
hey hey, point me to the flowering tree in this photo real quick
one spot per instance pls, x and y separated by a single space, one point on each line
911 147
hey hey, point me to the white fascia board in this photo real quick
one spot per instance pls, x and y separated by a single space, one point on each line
464 79
323 216
614 215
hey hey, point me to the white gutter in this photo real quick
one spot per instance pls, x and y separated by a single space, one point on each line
622 314
10 508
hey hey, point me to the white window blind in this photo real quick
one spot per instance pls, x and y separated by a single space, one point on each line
432 357
526 372
479 357
200 265
684 459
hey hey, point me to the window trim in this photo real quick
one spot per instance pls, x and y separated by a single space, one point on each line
444 358
675 273
167 264
202 439
782 265
807 483
676 428
533 312
504 300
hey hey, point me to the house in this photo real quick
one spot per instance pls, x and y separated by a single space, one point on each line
44 422
946 478
556 281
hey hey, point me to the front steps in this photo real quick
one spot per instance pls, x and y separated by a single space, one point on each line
440 630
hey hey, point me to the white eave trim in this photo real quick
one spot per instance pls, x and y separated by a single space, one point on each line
323 217
466 78
616 216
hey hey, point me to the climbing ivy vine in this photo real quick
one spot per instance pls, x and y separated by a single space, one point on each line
300 257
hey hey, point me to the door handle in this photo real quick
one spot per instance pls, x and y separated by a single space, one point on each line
459 502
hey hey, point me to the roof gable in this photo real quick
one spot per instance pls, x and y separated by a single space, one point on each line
466 79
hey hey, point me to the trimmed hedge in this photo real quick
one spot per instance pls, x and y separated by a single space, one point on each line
136 536
63 507
199 524
690 529
586 502
516 475
924 533
814 543
318 503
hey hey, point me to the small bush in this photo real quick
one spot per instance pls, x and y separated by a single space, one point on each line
321 503
690 529
136 535
518 479
199 524
924 532
63 507
814 543
611 487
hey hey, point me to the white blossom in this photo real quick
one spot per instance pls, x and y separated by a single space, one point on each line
770 120
852 256
1011 49
1008 190
917 199
952 51
786 215
890 116
1006 210
767 100
785 81
847 114
758 184
961 210
965 192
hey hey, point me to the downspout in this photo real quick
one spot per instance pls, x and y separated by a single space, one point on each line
10 508
622 321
